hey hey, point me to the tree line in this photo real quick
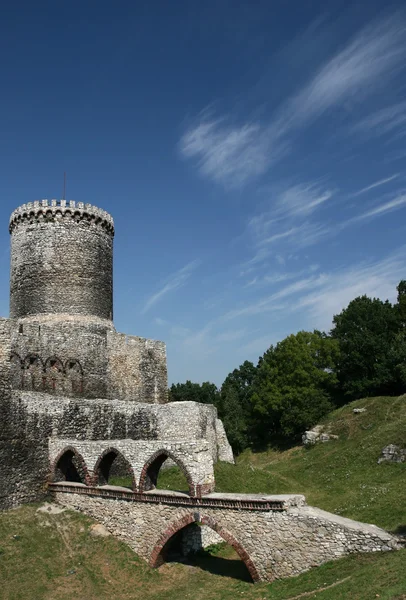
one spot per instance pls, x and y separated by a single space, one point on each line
303 377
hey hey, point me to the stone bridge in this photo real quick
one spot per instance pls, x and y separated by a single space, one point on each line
275 536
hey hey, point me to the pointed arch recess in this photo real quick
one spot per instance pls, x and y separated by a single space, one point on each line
79 457
105 453
156 559
156 460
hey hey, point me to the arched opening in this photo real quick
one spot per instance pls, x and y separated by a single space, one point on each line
70 466
34 374
74 376
201 542
165 471
17 371
55 375
112 468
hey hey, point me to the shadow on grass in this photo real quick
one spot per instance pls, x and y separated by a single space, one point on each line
401 530
217 565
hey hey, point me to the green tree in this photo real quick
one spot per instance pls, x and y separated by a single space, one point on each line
294 386
397 355
366 331
206 393
235 405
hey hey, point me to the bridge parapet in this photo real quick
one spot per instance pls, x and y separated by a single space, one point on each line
276 536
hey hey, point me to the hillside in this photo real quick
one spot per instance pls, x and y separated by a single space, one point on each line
57 556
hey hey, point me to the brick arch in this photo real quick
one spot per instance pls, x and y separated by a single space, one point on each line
31 359
156 558
159 458
82 463
105 454
51 361
33 372
72 364
15 356
54 374
74 372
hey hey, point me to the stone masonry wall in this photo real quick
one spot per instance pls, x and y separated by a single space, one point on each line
194 457
197 537
136 369
82 356
30 419
61 260
272 544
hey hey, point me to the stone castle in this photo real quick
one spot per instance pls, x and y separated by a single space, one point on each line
65 372
80 402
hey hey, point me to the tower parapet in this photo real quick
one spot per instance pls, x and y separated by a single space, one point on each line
61 260
42 210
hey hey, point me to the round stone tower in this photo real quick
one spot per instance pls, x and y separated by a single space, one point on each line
61 260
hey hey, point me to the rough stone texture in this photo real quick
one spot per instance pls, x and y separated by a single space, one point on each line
31 419
393 453
273 544
318 434
61 306
197 537
78 400
65 372
61 260
193 457
224 450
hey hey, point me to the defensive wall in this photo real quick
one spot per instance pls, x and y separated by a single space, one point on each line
36 426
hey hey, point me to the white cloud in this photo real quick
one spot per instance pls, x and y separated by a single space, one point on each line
386 207
389 120
228 154
174 282
302 199
375 185
370 59
232 154
375 279
271 302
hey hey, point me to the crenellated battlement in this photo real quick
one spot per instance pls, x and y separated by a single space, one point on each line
42 210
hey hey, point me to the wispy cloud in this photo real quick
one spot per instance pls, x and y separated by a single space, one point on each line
386 207
370 59
302 199
272 302
389 120
375 279
232 154
375 185
280 277
228 154
174 282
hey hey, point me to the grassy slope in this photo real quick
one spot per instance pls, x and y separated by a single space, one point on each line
55 556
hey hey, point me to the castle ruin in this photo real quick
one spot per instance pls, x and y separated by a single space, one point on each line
79 402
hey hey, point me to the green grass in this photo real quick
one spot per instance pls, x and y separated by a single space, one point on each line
55 557
341 476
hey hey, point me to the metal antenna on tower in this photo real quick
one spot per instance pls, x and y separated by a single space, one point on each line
64 186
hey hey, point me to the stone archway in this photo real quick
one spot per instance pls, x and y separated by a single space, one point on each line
105 464
150 471
156 559
70 466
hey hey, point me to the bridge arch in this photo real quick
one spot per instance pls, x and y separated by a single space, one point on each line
150 471
157 555
71 466
104 463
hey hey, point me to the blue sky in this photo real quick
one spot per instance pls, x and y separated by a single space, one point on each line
252 155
